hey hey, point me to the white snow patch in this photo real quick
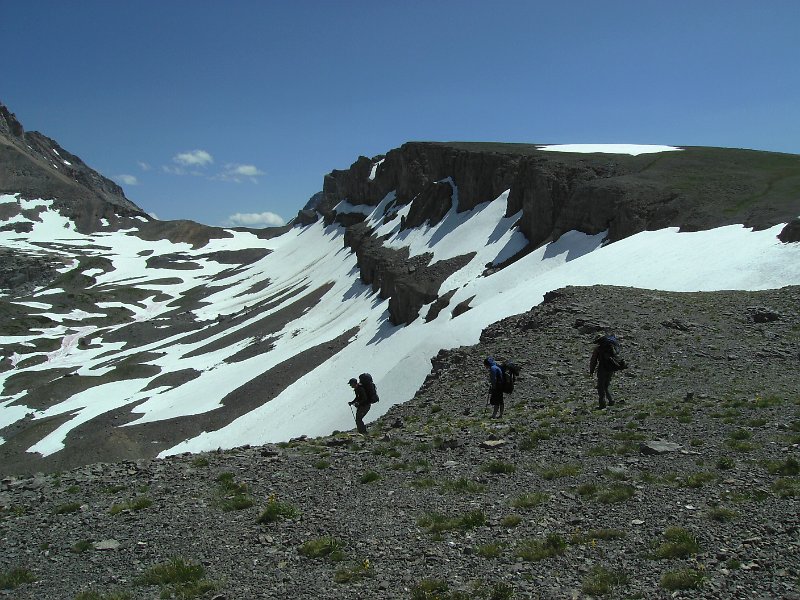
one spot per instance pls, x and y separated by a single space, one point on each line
633 149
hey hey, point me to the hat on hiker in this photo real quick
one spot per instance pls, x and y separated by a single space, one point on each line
353 381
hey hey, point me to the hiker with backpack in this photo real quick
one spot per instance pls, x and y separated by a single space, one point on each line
366 395
606 359
495 387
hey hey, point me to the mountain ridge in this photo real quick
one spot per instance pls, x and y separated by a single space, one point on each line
171 336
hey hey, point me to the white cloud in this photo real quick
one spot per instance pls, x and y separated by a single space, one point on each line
126 179
235 172
143 165
264 219
195 158
245 170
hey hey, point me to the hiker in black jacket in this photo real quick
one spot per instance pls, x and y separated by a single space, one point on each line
605 360
361 402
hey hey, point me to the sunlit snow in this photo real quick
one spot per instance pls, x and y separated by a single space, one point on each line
312 257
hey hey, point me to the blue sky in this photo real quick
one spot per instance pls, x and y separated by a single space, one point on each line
232 112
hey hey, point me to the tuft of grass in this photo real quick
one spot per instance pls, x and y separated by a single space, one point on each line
725 462
539 549
136 504
277 510
587 489
95 595
178 579
491 550
740 434
511 521
462 486
323 547
530 500
11 580
423 483
679 543
498 467
559 471
786 468
601 580
369 477
69 507
698 480
721 515
354 572
436 522
615 493
532 439
232 495
113 489
682 579
322 464
786 488
200 461
81 546
430 589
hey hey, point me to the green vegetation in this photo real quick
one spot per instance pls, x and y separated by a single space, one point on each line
529 500
499 467
232 495
69 507
436 522
600 581
539 549
369 477
178 579
491 550
722 515
323 547
786 468
95 595
596 534
786 488
11 580
81 546
697 480
136 504
615 493
511 521
354 572
200 461
679 543
725 462
683 579
559 471
276 511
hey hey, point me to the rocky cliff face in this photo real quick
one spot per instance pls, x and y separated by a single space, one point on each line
554 192
36 166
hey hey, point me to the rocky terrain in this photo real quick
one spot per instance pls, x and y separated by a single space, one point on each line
554 500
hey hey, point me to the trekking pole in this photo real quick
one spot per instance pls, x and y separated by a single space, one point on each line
352 412
488 398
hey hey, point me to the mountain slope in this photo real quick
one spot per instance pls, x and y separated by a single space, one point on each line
424 502
160 338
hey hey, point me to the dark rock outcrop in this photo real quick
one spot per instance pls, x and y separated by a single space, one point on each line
790 233
35 166
694 189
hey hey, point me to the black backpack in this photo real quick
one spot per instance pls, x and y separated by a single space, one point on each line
610 357
365 379
510 373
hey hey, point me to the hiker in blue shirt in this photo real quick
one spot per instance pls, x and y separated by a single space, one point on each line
495 387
